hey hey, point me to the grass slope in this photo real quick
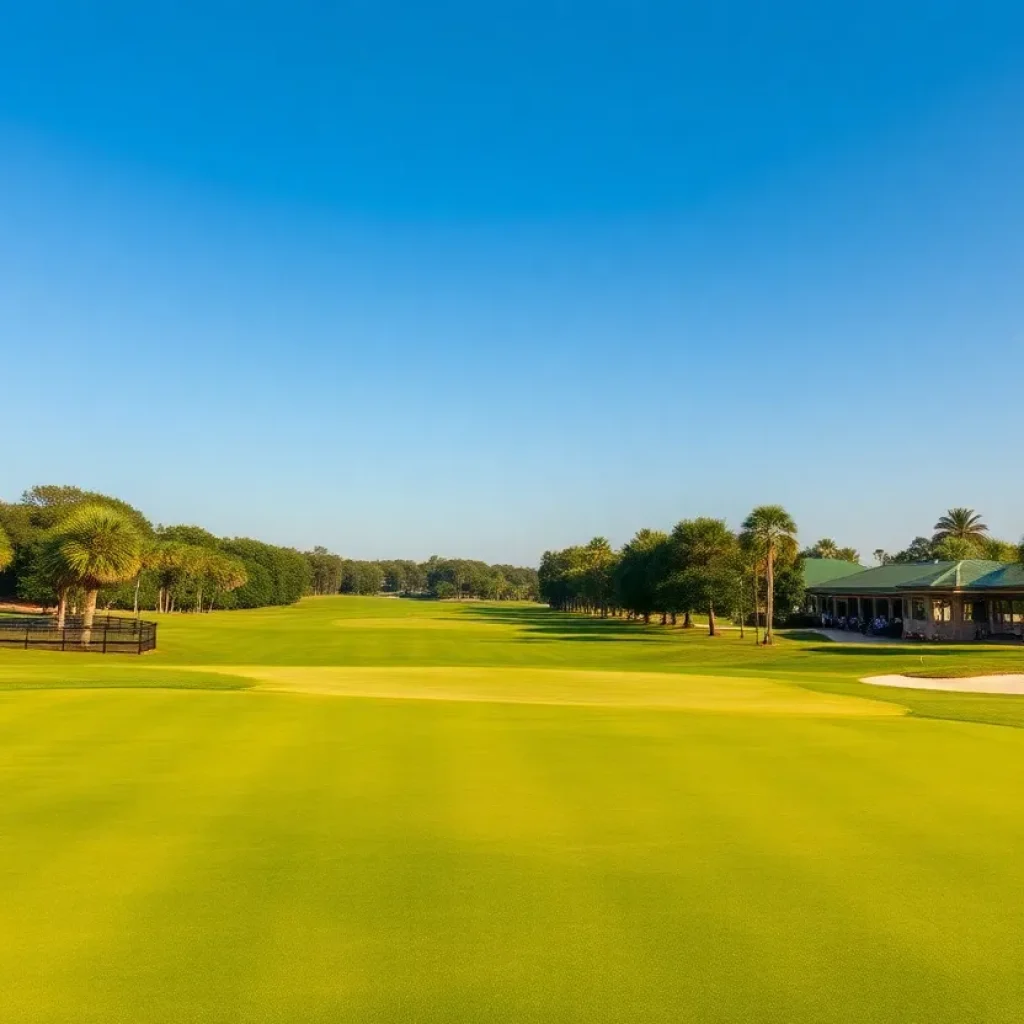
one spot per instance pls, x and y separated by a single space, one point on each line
584 821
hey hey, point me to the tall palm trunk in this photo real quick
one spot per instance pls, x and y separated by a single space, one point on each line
88 614
138 583
62 607
769 636
757 604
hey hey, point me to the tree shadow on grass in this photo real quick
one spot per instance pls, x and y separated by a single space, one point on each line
541 623
895 651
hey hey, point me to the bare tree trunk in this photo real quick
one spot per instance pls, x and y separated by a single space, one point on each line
138 583
647 618
672 618
62 607
687 619
88 614
664 618
711 619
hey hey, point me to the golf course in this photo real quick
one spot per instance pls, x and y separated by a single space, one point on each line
371 809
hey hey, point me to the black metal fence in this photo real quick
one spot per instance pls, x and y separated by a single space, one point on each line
110 634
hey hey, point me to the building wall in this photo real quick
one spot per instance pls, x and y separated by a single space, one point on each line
926 625
959 628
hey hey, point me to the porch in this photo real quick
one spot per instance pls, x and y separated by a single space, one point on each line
951 617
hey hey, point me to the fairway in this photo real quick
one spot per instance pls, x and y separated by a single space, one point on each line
361 809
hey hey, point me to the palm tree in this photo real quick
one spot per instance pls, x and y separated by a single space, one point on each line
93 546
773 530
961 523
224 574
6 550
150 557
825 548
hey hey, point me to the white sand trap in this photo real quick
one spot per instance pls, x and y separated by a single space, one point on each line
1008 683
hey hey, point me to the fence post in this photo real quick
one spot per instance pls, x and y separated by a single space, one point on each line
64 639
26 635
105 628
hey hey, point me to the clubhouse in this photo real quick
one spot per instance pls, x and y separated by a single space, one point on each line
972 599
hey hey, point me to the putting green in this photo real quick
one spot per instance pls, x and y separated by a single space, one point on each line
724 694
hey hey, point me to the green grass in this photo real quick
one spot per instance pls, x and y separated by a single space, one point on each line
378 810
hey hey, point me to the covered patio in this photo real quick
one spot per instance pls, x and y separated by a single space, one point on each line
971 599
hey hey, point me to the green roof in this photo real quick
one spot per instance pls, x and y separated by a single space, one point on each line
1006 575
966 574
820 570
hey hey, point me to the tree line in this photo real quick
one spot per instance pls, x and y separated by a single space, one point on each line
701 566
70 549
440 578
752 575
959 533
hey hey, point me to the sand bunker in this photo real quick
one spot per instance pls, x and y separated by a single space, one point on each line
1008 683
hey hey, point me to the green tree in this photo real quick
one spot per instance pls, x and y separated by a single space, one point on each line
222 575
706 550
953 549
824 548
919 550
6 550
773 530
961 523
639 571
95 545
847 554
998 550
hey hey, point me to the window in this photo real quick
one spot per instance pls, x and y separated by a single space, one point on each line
917 609
942 610
1008 613
975 611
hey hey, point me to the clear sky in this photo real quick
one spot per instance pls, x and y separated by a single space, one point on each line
483 279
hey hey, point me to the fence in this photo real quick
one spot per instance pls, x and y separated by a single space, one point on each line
110 634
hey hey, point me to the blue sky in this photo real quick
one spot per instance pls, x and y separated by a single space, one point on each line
404 279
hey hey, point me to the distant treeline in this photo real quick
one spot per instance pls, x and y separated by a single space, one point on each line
187 568
700 567
442 578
